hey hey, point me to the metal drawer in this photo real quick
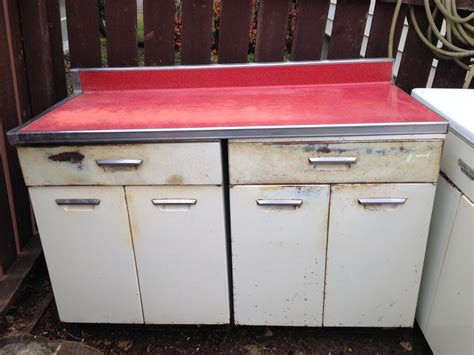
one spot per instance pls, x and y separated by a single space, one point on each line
307 162
131 164
458 163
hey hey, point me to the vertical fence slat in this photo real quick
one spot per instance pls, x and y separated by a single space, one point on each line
121 25
348 29
272 24
159 32
37 46
309 31
7 240
377 46
24 108
234 27
196 32
57 54
416 60
83 33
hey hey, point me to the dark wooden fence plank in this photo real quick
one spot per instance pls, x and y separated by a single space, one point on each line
377 47
121 25
234 27
416 60
348 29
57 54
83 33
11 105
272 23
159 32
37 46
23 92
196 32
309 32
7 238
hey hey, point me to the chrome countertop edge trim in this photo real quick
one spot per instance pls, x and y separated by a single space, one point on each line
16 137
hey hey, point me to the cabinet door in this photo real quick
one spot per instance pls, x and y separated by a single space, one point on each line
88 248
377 240
180 246
278 253
450 325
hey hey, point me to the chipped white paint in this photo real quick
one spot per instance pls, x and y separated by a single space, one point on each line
181 254
456 148
163 164
375 255
287 163
89 253
278 255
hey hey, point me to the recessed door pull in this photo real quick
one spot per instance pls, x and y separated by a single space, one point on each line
466 169
333 160
119 162
381 201
294 203
78 202
174 201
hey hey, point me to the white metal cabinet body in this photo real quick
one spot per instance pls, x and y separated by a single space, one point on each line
181 253
89 253
375 254
449 326
278 254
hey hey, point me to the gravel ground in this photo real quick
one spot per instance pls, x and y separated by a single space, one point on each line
139 339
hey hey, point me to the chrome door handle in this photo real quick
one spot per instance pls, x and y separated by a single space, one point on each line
333 160
173 201
381 201
294 203
119 162
78 202
466 169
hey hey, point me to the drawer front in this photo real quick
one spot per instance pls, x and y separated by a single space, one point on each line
279 238
89 252
281 163
458 164
376 245
132 164
180 246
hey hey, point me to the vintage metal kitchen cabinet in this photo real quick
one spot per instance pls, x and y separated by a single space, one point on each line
445 309
273 194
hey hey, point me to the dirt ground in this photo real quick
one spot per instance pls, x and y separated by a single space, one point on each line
26 315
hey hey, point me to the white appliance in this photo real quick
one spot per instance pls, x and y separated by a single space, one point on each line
445 310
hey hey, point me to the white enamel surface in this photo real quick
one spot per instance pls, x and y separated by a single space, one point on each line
456 148
375 255
444 213
288 163
163 164
89 253
450 326
455 105
181 254
278 255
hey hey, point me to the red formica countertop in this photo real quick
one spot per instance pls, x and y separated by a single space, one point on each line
281 100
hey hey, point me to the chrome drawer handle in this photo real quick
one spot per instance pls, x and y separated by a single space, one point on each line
174 201
333 160
294 203
466 169
381 201
119 162
78 202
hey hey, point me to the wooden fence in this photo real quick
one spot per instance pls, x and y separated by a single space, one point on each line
32 69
